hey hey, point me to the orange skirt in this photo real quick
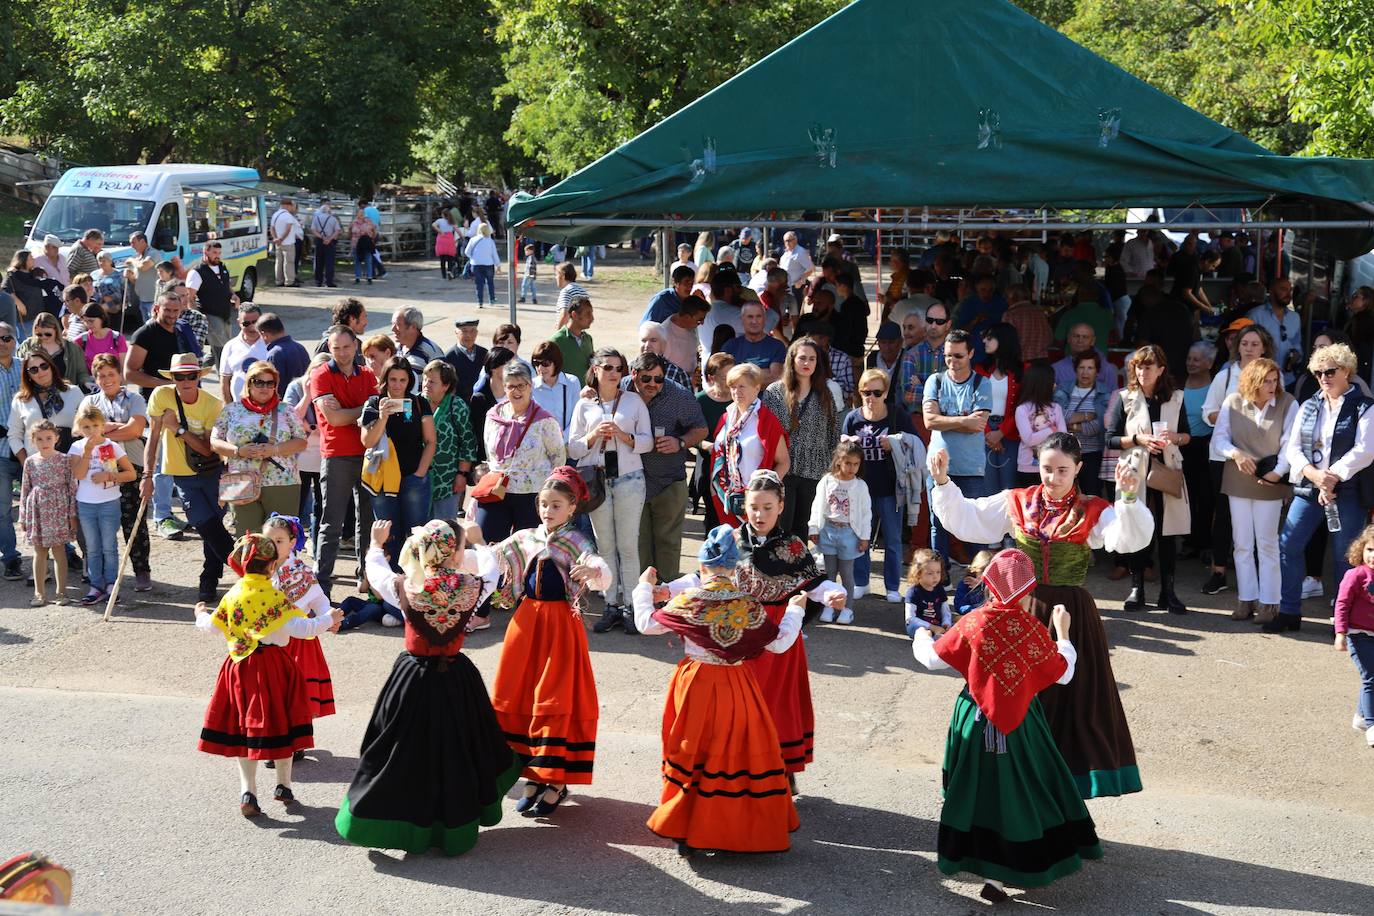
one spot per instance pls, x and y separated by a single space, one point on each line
544 693
724 785
786 686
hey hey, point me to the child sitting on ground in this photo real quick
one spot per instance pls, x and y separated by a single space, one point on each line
969 593
927 605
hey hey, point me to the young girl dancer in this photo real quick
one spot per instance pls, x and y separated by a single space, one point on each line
47 510
773 567
544 693
723 782
1354 624
434 763
841 521
1012 811
295 579
259 709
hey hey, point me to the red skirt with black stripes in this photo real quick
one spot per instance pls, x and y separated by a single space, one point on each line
319 689
259 708
786 685
544 693
724 783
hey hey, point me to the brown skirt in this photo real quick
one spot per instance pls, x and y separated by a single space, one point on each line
1085 715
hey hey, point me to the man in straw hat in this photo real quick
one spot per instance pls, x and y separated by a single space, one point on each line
184 414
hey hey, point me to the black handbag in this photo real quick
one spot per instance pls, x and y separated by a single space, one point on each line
594 476
198 463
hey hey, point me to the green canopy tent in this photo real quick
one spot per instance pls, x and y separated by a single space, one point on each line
939 103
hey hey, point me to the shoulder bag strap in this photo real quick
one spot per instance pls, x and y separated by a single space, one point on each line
614 406
181 410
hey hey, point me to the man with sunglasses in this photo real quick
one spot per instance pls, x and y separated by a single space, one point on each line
241 350
678 426
1281 320
11 371
920 362
956 409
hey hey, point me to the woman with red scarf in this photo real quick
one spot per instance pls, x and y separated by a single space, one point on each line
724 784
1012 812
259 434
1059 526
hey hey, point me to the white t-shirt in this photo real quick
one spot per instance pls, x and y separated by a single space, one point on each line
232 359
105 458
999 395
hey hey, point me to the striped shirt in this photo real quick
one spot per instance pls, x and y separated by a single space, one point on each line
570 292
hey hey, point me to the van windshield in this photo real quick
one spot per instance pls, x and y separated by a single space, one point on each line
69 216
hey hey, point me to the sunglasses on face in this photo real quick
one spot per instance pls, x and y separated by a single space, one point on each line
263 383
36 368
613 367
651 380
1327 373
249 323
185 376
540 362
930 320
873 393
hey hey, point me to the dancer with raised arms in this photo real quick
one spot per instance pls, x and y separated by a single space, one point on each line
1058 526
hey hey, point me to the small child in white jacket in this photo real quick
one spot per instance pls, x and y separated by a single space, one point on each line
841 521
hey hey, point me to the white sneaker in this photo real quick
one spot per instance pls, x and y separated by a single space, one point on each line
1369 737
1311 587
894 597
846 616
860 591
828 615
1358 723
389 621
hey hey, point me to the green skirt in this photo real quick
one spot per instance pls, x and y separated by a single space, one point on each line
1012 812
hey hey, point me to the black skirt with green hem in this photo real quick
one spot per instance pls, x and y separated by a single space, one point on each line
1085 715
434 764
1012 812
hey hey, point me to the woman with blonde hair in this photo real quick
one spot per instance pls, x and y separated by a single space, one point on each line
482 255
1148 421
1250 432
747 438
1329 450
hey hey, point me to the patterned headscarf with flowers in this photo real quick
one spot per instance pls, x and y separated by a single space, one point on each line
437 598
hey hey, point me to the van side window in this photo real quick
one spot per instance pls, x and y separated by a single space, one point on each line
167 233
212 216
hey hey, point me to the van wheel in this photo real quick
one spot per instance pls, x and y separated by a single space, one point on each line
249 284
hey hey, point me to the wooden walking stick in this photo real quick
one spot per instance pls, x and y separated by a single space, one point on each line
138 520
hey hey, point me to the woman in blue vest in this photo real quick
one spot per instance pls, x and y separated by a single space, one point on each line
1329 450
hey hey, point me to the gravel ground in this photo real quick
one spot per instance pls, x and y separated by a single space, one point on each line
1243 738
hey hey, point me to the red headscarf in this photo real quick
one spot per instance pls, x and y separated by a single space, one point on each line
1004 653
569 476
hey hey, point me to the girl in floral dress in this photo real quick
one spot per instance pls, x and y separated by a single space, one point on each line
47 510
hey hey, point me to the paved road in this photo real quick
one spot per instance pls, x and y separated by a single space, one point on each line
1256 788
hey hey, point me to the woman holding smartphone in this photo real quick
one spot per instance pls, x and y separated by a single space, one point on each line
400 482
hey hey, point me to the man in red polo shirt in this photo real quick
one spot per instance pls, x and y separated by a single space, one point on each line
339 389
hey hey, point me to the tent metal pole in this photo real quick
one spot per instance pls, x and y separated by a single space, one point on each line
513 260
951 226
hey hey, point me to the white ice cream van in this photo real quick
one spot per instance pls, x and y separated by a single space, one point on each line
179 206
